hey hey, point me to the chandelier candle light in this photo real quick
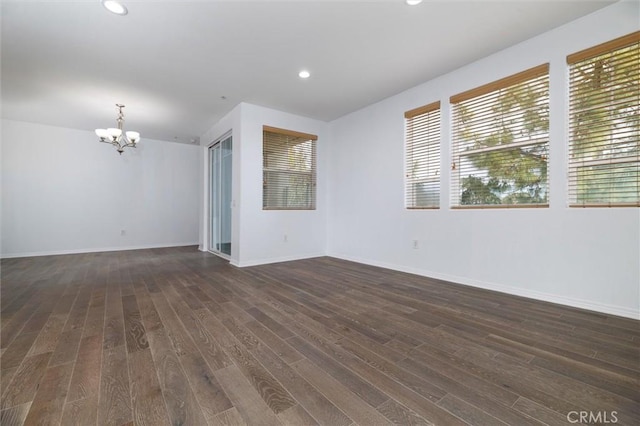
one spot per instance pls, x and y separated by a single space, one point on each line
116 137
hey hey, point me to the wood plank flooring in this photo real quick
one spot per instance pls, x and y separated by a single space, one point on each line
179 337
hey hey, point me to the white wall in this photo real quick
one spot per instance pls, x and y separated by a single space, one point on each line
582 257
263 231
64 192
229 124
258 235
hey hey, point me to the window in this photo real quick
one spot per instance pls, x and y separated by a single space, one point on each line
501 142
604 123
289 170
422 168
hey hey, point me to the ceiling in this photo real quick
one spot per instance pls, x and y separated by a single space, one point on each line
179 66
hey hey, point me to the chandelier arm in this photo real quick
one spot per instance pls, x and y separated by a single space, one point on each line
117 136
127 142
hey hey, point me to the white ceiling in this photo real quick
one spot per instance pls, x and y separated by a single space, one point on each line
66 63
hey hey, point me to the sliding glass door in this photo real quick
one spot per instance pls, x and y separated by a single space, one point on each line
220 159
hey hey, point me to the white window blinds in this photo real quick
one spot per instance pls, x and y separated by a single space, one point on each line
501 143
289 170
604 124
422 156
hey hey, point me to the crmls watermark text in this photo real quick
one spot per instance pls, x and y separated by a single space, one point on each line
592 417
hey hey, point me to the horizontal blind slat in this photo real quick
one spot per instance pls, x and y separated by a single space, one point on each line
422 157
500 143
423 110
502 83
604 111
289 170
604 48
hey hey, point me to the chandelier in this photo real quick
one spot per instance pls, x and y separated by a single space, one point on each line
115 135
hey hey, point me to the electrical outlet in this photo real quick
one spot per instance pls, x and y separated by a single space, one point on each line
415 244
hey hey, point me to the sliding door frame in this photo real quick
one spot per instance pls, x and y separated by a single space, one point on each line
212 245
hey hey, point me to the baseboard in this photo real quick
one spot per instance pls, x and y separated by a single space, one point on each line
94 250
516 291
276 260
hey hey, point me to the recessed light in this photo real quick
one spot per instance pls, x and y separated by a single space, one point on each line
413 2
115 7
304 74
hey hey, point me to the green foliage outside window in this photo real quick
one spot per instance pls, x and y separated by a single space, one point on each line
605 128
502 145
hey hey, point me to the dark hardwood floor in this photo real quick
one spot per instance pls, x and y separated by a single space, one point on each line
176 336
